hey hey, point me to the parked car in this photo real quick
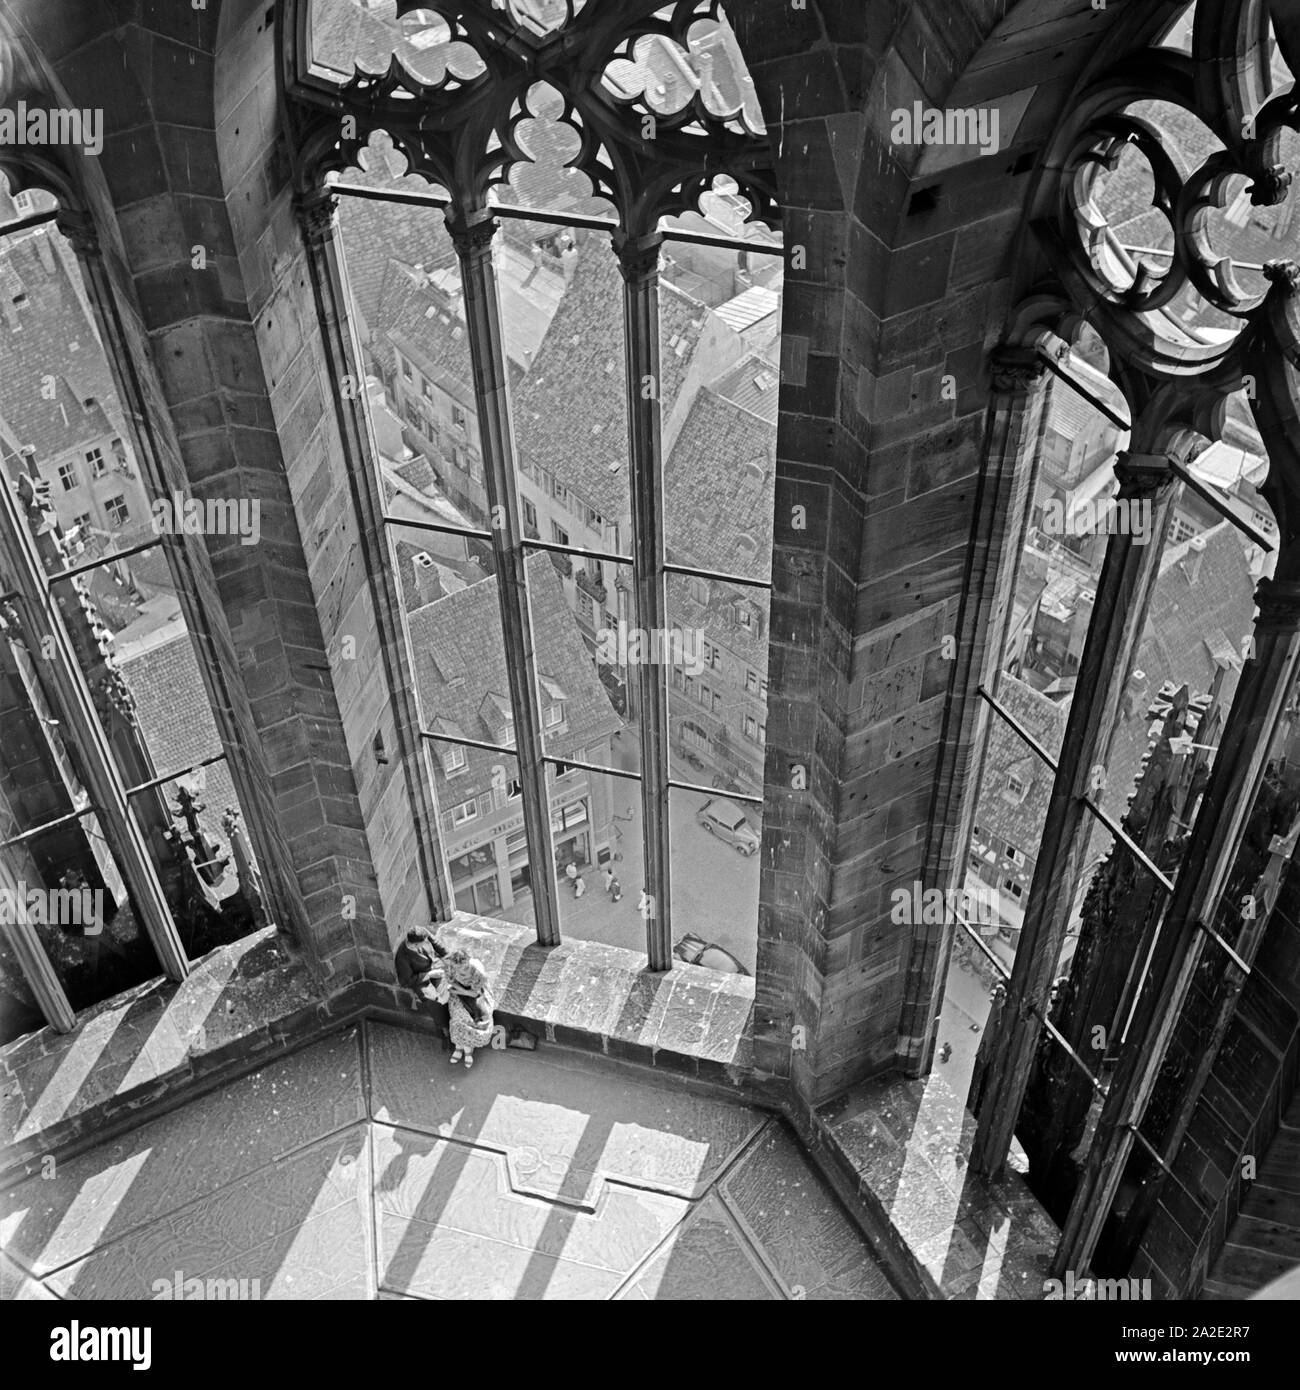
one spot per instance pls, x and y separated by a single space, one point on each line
727 821
694 950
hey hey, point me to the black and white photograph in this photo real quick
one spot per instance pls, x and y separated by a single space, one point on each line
650 650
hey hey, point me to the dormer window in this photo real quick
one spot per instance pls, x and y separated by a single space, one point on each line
454 760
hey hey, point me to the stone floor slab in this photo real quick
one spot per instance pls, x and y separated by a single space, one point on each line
799 1223
366 1167
113 1189
707 1258
441 1186
651 1134
296 1227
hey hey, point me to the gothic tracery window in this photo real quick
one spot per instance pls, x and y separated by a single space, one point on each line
1145 696
123 852
564 278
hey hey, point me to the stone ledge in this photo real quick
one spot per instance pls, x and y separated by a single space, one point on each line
901 1148
154 1046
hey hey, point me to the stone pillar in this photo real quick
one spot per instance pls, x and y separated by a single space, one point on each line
1123 596
316 217
1009 469
1239 765
638 259
473 242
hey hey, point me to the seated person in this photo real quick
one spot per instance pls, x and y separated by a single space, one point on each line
419 963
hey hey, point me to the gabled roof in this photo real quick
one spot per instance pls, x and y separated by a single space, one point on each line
376 233
754 385
570 409
1000 817
53 361
719 484
424 324
460 670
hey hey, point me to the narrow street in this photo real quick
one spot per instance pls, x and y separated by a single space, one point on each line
715 888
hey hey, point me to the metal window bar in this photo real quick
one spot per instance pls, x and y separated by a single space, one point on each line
550 218
548 758
748 800
559 548
438 527
175 776
47 827
73 571
33 219
1054 1033
1121 835
722 578
1208 494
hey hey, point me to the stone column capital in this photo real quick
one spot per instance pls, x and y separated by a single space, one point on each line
80 230
638 257
1142 475
315 212
472 238
1016 370
1279 606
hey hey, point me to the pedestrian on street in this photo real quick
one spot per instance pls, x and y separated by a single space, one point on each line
945 1052
609 877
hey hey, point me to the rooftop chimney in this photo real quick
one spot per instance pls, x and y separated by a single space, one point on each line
1192 560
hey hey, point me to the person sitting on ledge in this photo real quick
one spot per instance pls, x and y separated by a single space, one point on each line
465 989
419 961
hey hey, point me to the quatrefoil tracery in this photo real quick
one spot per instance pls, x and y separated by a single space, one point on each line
1197 303
650 157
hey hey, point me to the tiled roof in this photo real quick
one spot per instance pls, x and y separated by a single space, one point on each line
717 620
39 351
175 716
720 482
376 233
570 411
1186 613
420 321
460 658
754 385
1001 819
418 472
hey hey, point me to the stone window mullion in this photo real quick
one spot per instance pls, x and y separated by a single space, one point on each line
473 243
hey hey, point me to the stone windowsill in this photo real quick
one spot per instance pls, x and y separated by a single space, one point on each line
137 1053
